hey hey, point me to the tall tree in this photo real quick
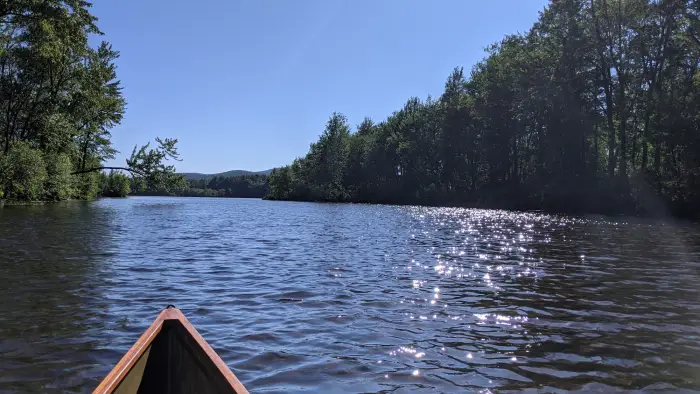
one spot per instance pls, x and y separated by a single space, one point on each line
59 99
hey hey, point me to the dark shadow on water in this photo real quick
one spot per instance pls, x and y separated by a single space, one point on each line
51 306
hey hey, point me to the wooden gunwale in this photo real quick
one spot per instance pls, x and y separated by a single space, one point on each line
127 362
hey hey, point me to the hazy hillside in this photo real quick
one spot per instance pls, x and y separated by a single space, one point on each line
193 176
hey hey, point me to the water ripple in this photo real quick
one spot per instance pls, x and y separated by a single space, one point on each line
341 298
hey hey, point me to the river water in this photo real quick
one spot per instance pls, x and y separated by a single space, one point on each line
343 298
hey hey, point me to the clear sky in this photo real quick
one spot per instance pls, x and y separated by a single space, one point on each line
250 84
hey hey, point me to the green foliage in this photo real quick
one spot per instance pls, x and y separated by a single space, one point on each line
150 170
595 108
23 173
86 186
114 184
61 96
279 184
321 175
244 186
234 186
328 160
59 183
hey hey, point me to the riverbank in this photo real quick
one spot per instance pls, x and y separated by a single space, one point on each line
651 207
11 203
208 194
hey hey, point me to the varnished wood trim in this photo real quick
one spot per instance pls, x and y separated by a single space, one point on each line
236 385
112 380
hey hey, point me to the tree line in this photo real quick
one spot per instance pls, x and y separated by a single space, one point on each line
595 109
242 186
59 99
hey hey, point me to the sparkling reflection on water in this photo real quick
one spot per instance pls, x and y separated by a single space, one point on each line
330 298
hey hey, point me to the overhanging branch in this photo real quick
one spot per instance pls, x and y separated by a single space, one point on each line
694 36
108 168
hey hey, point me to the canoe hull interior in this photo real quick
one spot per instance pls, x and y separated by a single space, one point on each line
171 358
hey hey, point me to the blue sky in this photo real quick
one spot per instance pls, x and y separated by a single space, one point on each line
250 84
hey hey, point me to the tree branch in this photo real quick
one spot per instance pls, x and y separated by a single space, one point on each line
693 36
108 168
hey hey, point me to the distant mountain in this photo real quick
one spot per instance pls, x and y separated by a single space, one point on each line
193 176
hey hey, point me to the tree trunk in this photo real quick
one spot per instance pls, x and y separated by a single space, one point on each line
94 169
514 175
596 153
633 156
607 88
657 165
612 141
645 143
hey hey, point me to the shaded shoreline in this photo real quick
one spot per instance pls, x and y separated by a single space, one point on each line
514 208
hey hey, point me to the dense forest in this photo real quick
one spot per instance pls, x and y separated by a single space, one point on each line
59 99
244 186
595 109
228 186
